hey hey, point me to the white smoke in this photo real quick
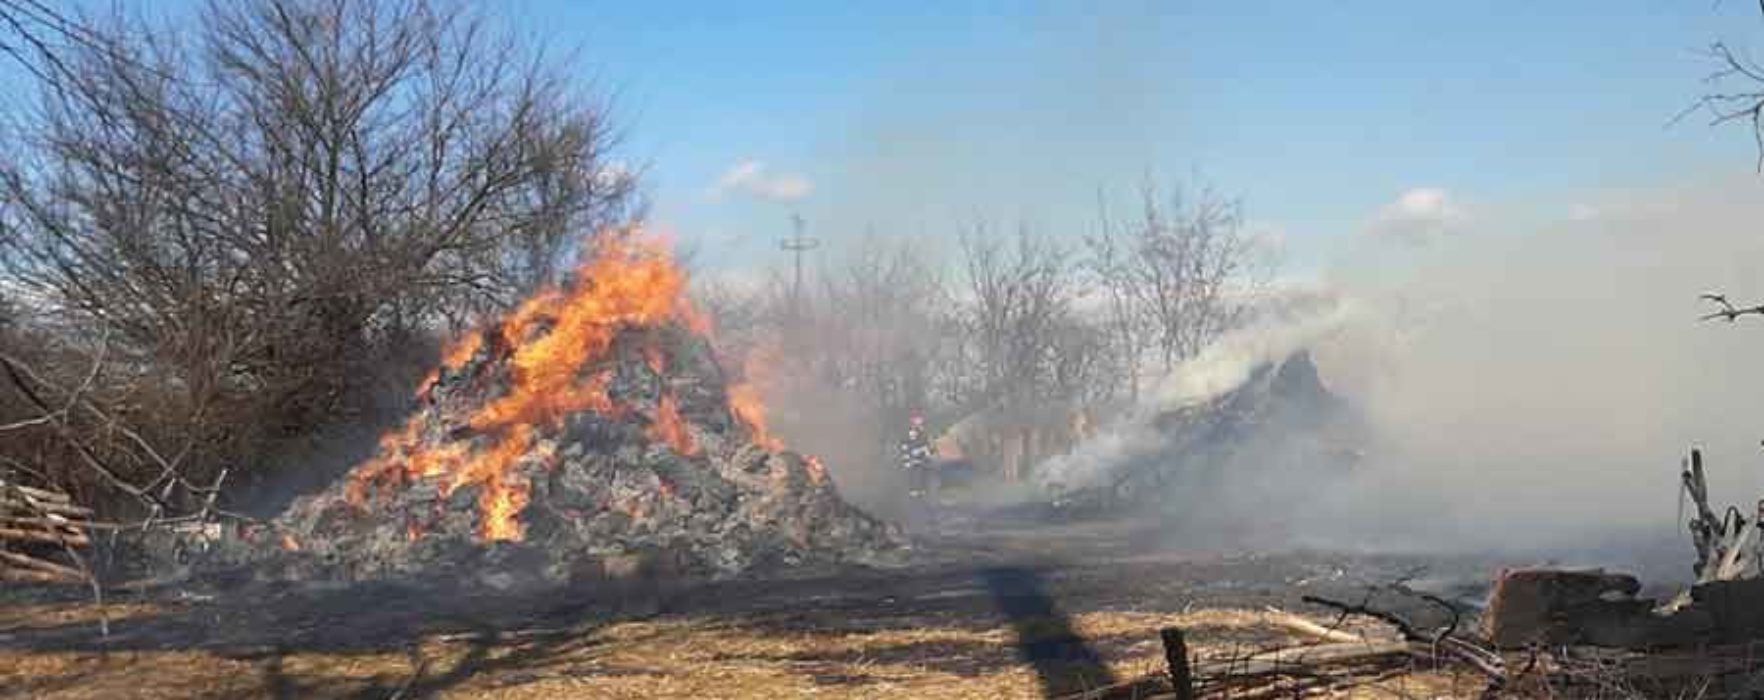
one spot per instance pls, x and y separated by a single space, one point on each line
1529 384
1294 322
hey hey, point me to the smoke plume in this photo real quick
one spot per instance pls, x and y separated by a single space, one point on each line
1530 382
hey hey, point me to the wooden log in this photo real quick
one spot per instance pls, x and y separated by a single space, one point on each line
44 536
1305 658
51 521
21 561
39 494
39 506
27 576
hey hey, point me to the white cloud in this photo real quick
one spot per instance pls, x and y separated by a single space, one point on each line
750 177
1419 214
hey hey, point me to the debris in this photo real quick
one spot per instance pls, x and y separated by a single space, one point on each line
35 525
1728 546
591 434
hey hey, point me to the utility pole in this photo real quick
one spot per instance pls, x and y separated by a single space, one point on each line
797 244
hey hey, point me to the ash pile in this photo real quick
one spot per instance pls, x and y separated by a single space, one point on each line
590 433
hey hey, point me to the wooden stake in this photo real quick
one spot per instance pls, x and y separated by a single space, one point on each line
1176 657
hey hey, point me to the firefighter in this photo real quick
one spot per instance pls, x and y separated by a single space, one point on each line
915 456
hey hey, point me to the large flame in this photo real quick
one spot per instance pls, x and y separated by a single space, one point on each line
744 396
559 345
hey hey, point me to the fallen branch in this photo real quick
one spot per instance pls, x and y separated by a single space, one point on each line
1281 618
1483 661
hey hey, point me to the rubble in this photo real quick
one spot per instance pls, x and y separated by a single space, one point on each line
1542 633
590 434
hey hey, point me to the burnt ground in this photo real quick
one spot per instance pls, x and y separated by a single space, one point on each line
1023 610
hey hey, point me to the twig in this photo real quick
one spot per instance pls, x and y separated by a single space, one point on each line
1486 663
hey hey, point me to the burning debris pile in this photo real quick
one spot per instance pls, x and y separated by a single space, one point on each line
1241 441
589 431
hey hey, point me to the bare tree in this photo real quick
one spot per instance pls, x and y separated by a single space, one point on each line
1110 269
1180 276
884 303
259 210
1020 291
1737 93
34 35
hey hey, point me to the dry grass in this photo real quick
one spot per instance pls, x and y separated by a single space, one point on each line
682 658
44 615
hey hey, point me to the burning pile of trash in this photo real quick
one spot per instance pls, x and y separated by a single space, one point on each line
589 428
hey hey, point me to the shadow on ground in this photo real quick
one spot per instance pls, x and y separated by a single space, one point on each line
1064 662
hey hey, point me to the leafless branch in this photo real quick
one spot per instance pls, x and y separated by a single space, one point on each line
1727 311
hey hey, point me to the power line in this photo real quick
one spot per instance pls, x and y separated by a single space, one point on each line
797 244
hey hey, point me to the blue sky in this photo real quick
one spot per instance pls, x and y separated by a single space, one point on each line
924 117
921 117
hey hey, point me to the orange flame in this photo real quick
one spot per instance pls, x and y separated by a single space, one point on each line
669 428
461 349
288 543
744 396
557 341
745 403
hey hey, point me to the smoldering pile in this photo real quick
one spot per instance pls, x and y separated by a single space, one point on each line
1280 426
590 432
